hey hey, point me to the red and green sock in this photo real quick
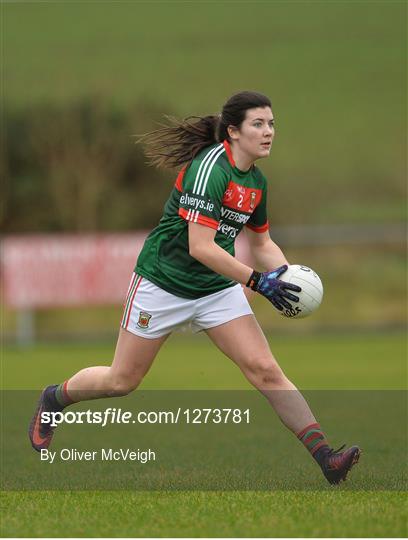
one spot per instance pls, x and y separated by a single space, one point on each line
315 441
62 396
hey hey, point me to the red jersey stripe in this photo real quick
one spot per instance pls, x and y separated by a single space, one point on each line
179 180
203 220
261 229
229 153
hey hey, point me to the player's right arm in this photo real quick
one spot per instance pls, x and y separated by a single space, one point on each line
203 248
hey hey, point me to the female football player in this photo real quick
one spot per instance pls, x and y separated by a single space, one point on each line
187 272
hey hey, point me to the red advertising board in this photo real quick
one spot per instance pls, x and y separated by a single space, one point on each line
39 271
67 270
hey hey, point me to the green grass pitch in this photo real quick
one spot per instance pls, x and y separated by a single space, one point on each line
313 362
348 79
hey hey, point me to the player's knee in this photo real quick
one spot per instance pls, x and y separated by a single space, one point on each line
121 386
265 372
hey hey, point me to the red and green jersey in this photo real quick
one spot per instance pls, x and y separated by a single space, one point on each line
213 192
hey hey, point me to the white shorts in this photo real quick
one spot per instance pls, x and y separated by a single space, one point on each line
151 312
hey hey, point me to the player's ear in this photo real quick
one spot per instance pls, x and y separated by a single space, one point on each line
233 133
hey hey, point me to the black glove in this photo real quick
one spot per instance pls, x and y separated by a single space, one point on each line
269 285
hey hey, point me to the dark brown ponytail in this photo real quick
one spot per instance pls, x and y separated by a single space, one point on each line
178 143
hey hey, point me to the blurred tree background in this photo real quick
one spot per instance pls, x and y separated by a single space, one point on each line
76 167
80 79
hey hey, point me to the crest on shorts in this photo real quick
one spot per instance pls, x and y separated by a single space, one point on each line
252 200
144 319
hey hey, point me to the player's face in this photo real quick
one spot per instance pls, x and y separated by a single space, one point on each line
254 137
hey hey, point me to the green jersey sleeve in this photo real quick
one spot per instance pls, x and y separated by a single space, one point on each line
258 221
202 190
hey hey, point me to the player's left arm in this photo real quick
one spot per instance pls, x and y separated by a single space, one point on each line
266 254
